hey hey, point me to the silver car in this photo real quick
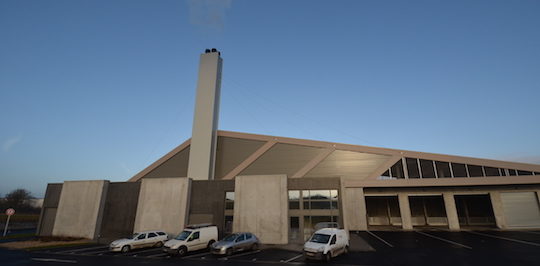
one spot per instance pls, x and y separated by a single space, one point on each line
235 242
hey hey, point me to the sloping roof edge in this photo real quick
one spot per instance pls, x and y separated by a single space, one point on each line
347 147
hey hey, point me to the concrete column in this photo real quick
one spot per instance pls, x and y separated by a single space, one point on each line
205 121
451 211
353 208
498 210
405 210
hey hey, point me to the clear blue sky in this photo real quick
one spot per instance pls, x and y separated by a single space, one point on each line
101 89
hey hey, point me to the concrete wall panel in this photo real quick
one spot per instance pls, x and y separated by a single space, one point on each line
119 211
80 208
261 206
163 204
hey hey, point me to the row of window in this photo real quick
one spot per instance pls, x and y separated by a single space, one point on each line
313 199
421 168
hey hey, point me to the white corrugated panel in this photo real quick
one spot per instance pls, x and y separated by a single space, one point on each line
521 209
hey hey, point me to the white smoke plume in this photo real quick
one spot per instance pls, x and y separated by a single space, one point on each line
209 14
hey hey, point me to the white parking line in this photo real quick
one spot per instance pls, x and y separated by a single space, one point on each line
293 258
505 238
241 254
382 240
54 260
80 249
196 255
444 240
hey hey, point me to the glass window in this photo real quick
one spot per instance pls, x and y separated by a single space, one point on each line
412 167
475 170
387 173
241 238
333 241
161 233
427 168
512 172
491 171
305 194
294 199
319 194
503 172
459 170
443 169
152 235
229 200
294 194
536 173
397 170
320 205
520 172
334 194
141 236
195 236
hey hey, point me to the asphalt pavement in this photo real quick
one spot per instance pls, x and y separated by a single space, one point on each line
426 247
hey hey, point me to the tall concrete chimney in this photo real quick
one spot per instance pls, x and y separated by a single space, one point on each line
204 133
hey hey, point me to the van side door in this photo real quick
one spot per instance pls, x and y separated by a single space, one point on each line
194 241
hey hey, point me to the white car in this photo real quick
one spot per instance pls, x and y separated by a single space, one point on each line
194 237
139 240
326 243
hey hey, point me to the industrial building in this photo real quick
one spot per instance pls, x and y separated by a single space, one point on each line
280 188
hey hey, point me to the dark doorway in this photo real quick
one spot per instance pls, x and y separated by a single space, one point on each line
428 211
475 210
383 210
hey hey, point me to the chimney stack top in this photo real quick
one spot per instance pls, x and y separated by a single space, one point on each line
213 50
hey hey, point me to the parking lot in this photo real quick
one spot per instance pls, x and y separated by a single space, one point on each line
426 247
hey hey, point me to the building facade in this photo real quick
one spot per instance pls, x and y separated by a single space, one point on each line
282 188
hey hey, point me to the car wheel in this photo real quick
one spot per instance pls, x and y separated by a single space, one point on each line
327 256
210 244
125 249
255 246
229 252
346 250
182 251
158 244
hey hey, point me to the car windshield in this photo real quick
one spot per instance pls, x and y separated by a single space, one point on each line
134 235
320 238
230 238
183 236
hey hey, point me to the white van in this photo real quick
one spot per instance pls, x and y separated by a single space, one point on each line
326 243
194 237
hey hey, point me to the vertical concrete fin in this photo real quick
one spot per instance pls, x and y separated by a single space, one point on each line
498 210
405 210
205 121
451 211
102 201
